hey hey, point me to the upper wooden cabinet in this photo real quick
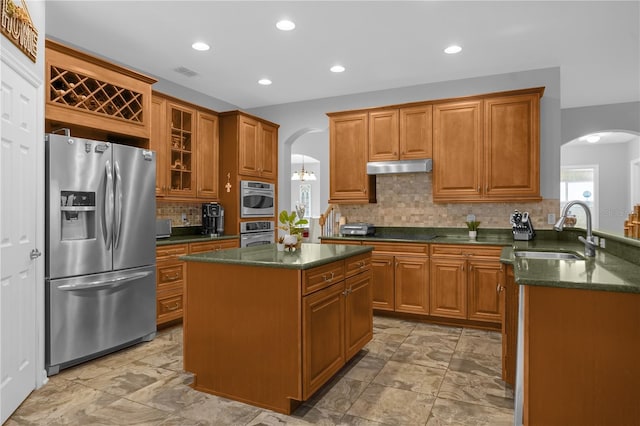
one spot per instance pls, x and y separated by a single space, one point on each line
257 148
348 142
185 138
207 155
487 149
512 147
95 98
400 133
457 150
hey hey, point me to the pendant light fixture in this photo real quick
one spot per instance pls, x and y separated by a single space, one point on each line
302 174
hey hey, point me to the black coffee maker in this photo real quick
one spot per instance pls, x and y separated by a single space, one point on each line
212 219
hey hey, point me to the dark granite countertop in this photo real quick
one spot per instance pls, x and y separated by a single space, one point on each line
604 272
308 256
193 238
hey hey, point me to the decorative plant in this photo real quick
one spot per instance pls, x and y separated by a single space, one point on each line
290 223
473 225
281 239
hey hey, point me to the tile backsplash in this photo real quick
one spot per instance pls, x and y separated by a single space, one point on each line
406 199
174 211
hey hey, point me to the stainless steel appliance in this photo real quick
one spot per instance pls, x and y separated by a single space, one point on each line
163 228
257 233
212 219
100 276
257 199
522 226
358 228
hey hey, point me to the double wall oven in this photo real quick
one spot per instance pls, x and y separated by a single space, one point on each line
257 200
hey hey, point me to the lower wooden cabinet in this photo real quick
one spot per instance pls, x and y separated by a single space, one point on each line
171 275
466 282
337 321
400 277
170 278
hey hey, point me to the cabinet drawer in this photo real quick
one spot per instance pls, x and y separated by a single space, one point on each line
169 274
170 307
318 278
357 264
170 252
400 248
464 250
212 246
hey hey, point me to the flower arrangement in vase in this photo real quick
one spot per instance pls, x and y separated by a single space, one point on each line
290 223
473 226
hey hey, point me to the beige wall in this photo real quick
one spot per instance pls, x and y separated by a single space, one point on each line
406 200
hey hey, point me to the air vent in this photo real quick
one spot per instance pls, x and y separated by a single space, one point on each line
186 71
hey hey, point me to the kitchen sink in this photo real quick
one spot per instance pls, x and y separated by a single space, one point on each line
550 255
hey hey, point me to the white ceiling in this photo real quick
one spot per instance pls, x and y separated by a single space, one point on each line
383 44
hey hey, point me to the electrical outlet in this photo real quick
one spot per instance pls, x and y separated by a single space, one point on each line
471 218
602 243
184 218
551 218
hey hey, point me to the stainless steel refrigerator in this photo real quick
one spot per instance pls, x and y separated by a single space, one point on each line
100 238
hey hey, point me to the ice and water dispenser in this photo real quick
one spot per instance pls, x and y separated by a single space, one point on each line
78 215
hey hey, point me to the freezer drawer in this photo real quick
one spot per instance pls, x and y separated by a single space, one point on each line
92 315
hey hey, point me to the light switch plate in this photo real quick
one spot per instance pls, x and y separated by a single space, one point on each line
471 217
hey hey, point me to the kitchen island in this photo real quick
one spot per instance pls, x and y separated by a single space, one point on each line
269 328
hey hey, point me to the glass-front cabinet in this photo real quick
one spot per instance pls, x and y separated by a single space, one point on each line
182 178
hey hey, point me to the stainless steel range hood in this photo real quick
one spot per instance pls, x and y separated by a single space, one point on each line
401 166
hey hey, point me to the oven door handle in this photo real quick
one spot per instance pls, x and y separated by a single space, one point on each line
267 193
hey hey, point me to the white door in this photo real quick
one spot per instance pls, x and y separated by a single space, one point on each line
19 156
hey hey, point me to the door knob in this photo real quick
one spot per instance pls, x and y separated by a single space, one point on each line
35 253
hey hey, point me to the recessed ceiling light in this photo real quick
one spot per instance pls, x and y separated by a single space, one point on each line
201 46
337 68
285 25
264 81
453 49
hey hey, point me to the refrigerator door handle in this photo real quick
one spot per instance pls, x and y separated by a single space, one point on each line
94 285
118 204
108 204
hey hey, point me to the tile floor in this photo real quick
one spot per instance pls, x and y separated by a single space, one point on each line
410 374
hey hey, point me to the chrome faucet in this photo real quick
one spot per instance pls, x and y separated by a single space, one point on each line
589 243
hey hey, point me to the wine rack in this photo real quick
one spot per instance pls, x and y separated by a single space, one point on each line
75 90
95 98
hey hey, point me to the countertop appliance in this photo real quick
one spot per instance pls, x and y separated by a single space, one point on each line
257 233
257 199
163 228
522 226
357 228
100 273
212 219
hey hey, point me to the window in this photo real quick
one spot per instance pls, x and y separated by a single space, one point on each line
305 198
580 183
